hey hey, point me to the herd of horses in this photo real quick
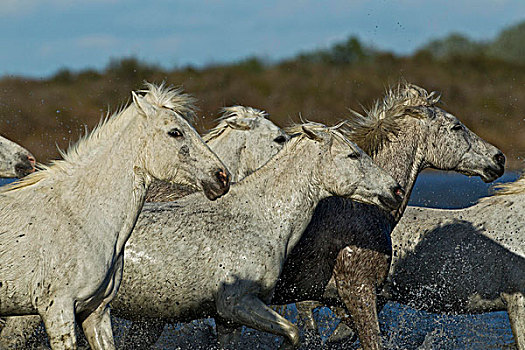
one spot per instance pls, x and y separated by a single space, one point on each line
146 218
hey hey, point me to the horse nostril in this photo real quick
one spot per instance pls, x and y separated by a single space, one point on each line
500 159
399 192
31 160
223 177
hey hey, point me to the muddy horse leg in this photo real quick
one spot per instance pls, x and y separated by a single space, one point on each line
59 320
305 315
358 272
516 310
97 328
250 311
97 323
345 330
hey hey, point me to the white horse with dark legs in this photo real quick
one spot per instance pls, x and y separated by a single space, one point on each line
63 229
344 254
15 160
188 259
244 140
468 260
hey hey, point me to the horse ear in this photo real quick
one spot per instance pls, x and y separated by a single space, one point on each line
142 105
239 124
312 134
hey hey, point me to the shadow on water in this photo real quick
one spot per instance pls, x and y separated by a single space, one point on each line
468 262
403 327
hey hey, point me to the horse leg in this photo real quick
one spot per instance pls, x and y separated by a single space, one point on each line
516 310
357 280
305 314
345 329
97 328
142 334
251 311
17 330
97 323
59 320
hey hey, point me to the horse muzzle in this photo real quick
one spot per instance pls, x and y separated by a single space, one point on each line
393 201
219 187
25 166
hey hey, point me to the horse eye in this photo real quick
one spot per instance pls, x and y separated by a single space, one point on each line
354 155
175 132
457 127
280 139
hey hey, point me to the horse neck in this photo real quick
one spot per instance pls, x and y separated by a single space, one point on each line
403 159
228 147
112 188
288 189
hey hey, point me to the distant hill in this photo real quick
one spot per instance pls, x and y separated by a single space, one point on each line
508 46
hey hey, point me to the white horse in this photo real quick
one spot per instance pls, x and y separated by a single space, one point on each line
63 229
344 254
468 260
244 140
15 160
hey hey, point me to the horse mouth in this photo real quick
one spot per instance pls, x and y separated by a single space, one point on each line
487 174
393 201
492 173
213 194
214 190
389 203
24 168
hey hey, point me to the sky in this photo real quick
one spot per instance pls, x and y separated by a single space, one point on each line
39 37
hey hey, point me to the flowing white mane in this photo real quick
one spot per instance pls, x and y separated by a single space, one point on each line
159 96
231 114
171 98
338 131
372 130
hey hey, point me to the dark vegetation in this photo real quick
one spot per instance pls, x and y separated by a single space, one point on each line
483 83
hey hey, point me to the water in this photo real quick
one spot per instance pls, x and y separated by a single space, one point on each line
451 190
402 326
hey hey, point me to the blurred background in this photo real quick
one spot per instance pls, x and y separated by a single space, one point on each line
64 64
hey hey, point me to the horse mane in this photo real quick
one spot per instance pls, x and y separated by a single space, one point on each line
160 96
230 114
169 97
338 131
372 130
